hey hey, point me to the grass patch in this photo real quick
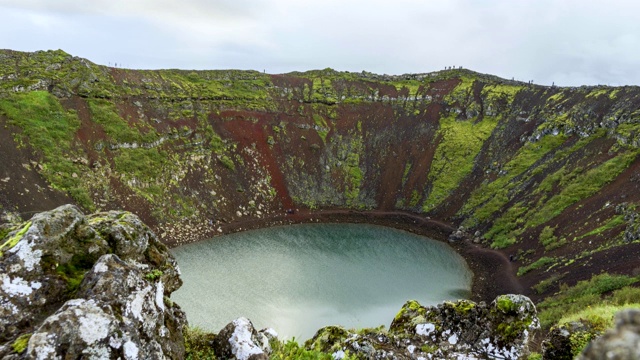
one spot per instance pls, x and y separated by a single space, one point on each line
582 187
491 197
118 129
322 128
460 143
599 290
600 316
50 130
571 187
292 350
543 261
13 241
501 93
198 344
140 163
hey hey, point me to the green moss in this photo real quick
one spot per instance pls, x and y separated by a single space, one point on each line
611 93
118 129
613 222
460 143
429 349
197 344
462 92
570 186
21 343
322 128
73 271
50 130
543 261
327 339
462 307
141 164
505 304
13 241
600 290
582 187
227 162
405 174
153 275
411 306
292 350
579 340
557 97
491 197
270 140
501 92
534 356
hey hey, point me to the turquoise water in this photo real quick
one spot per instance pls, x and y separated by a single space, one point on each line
297 279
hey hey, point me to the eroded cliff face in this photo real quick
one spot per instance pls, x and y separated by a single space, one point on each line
548 174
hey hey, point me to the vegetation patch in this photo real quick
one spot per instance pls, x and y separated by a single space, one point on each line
198 344
582 187
21 343
599 290
13 241
50 130
571 186
460 143
118 129
543 261
73 271
492 196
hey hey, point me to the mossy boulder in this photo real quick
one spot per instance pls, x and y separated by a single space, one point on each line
240 340
566 341
451 330
76 286
327 339
620 343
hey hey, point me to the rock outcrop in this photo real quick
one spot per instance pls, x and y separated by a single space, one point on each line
240 340
564 342
450 330
98 286
621 343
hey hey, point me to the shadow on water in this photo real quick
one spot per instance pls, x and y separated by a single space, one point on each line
459 294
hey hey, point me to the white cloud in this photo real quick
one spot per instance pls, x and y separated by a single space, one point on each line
568 42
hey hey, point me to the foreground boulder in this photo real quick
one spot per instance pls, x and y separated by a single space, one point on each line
450 330
98 286
620 343
240 340
565 341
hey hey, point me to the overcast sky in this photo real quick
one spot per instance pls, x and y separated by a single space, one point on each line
569 42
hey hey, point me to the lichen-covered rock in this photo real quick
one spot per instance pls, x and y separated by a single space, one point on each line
87 286
240 340
42 264
126 316
621 343
567 340
451 330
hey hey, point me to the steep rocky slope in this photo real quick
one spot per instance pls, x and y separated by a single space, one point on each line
549 175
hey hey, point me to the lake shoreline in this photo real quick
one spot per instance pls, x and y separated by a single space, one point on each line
493 273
